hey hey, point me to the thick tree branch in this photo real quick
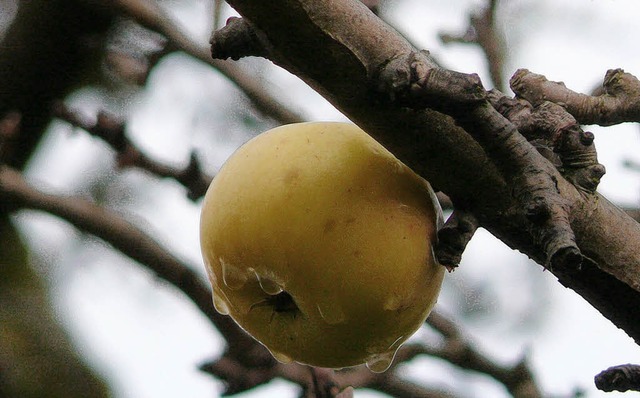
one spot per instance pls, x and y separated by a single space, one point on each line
340 47
413 82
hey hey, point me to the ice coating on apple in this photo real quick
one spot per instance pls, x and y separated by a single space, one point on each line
268 285
219 303
233 277
280 357
381 362
318 242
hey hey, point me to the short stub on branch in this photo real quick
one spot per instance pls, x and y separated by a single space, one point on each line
453 238
237 39
619 378
618 100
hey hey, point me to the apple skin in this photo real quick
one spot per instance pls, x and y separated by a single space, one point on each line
318 242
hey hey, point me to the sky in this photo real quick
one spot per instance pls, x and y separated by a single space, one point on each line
147 339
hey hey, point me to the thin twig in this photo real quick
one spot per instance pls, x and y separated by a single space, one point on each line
483 31
148 14
112 130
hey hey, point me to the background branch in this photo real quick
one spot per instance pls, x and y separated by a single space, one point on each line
112 130
148 14
482 31
619 378
125 237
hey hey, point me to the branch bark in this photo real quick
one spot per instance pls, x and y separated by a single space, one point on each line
339 48
619 378
618 103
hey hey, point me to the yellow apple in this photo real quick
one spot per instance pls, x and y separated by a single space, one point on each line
318 242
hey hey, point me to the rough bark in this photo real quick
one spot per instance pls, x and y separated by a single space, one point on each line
339 48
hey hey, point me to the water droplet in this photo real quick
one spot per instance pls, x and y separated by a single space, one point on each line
331 312
220 304
380 362
269 286
280 357
233 277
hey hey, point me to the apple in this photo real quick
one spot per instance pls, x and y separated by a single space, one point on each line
318 242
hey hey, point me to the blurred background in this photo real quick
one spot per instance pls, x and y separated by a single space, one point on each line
140 337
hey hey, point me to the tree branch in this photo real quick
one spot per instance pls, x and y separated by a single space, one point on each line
239 377
112 130
148 14
16 194
619 102
518 379
340 47
557 136
619 378
482 30
412 81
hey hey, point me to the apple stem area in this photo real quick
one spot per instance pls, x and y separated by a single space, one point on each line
454 236
282 302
